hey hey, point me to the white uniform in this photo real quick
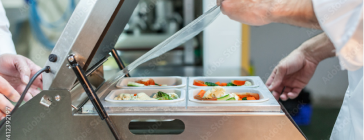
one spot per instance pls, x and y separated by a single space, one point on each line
342 21
6 42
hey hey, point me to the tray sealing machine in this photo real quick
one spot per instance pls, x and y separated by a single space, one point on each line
63 111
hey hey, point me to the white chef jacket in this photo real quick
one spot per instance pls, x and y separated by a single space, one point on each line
342 21
6 42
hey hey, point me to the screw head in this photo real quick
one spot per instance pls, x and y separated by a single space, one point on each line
57 98
71 58
52 57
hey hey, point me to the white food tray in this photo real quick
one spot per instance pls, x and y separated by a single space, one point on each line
194 92
171 82
252 79
110 98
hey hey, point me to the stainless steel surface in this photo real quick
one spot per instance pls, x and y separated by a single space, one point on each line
116 28
79 37
57 122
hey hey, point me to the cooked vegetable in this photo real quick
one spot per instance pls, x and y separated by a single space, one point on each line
231 99
173 95
238 82
133 84
230 84
250 98
210 84
197 97
223 98
163 96
223 84
247 83
245 98
198 83
151 81
201 93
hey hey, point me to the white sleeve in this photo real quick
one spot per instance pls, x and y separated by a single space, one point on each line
342 21
6 42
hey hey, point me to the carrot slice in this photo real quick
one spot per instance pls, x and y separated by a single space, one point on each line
223 84
238 82
199 83
151 82
218 83
201 93
250 98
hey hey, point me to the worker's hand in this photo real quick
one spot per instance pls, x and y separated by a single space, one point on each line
295 71
252 12
261 12
15 72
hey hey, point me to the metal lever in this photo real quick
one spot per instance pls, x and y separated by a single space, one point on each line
92 95
119 61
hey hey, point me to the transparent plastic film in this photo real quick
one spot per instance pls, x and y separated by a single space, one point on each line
182 36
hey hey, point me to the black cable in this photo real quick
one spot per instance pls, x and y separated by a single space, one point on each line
47 70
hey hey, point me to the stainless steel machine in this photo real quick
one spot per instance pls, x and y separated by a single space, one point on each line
72 104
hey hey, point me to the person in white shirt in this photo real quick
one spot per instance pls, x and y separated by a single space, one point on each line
15 70
342 23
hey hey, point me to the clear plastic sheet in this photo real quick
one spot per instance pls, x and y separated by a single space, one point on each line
182 36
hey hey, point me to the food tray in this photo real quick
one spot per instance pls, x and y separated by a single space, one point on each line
181 94
194 92
252 79
172 82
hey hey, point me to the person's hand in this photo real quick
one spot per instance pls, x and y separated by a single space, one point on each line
295 71
262 12
15 72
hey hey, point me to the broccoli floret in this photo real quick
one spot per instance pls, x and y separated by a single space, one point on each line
244 98
230 84
163 96
210 84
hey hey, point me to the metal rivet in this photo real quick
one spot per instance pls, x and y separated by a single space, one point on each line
58 98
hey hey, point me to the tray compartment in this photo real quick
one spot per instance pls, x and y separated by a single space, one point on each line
194 92
251 79
180 92
171 81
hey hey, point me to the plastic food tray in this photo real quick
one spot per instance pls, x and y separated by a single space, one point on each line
180 92
172 82
251 79
194 92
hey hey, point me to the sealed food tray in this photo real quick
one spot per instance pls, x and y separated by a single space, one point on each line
180 92
252 79
171 82
262 98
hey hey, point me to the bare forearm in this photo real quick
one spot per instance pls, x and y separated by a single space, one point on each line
318 48
294 12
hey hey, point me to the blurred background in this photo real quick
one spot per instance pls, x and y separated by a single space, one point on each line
225 48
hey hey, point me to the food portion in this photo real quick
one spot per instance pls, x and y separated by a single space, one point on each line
144 97
232 83
219 94
144 82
